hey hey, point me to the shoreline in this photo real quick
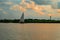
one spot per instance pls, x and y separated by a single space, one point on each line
30 23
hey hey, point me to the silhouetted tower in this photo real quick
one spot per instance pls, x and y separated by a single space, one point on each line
22 18
50 17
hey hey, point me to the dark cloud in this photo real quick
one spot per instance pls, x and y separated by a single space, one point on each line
58 5
43 2
47 2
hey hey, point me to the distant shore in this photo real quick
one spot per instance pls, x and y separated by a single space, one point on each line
29 21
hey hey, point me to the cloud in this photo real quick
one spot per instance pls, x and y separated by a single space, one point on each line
24 5
58 10
53 3
49 9
14 7
1 9
57 14
8 3
1 2
50 14
43 2
4 12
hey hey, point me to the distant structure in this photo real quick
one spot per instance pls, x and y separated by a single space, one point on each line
22 18
50 17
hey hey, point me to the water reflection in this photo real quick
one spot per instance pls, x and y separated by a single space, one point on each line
29 31
42 31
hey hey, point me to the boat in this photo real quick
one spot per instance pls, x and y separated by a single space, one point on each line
22 18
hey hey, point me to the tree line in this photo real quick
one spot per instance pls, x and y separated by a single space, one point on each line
29 21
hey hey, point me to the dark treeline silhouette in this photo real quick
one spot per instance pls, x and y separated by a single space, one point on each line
41 21
9 21
29 21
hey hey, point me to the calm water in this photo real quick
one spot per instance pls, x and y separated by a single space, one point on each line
12 31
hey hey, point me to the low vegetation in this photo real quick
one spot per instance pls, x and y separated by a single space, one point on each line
30 21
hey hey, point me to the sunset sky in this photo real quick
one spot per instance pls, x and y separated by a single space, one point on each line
36 9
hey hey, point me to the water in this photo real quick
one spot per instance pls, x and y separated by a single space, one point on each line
12 31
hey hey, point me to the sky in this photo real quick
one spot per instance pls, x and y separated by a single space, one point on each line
35 9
